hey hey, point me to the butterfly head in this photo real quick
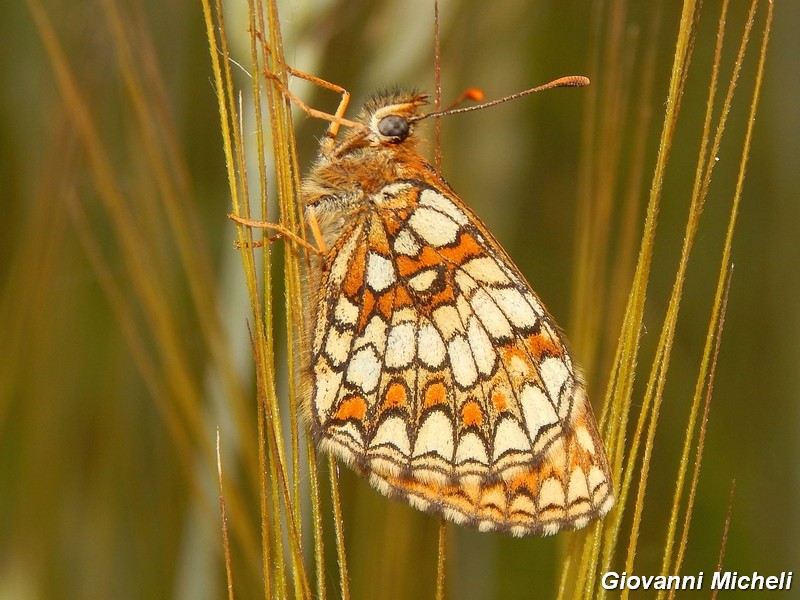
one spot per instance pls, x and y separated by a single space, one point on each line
386 121
390 116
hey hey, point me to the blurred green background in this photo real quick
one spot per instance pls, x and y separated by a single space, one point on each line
123 323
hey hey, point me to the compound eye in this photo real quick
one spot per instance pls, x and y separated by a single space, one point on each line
394 126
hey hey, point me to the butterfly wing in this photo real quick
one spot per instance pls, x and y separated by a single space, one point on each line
438 373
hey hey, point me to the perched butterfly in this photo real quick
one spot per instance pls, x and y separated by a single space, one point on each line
435 371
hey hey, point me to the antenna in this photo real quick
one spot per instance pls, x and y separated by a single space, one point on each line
569 81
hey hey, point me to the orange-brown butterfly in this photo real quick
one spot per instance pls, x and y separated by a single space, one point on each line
434 369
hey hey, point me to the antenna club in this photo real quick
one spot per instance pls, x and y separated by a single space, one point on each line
571 81
475 94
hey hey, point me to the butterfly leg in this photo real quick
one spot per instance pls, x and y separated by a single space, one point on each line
284 232
337 118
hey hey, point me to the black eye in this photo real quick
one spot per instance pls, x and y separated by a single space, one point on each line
394 126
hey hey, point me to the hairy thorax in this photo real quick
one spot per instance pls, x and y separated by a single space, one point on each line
339 189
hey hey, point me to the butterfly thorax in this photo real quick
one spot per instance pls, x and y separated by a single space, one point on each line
345 183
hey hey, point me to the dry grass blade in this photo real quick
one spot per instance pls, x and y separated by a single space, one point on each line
280 498
441 551
702 165
179 393
700 443
629 341
226 544
619 398
625 451
344 577
316 517
723 546
658 374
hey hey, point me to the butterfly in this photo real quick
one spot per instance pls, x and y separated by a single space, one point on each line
434 369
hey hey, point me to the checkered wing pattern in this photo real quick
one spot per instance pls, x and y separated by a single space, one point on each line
439 374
